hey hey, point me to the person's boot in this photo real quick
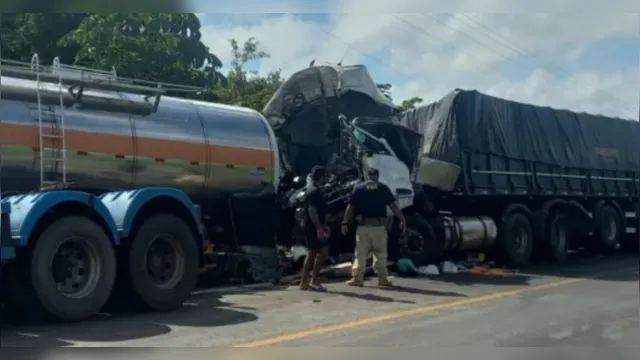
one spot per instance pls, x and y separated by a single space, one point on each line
384 281
355 281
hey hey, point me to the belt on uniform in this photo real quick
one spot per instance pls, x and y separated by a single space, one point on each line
373 222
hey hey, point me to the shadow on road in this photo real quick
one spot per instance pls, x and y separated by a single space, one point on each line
425 292
356 294
464 279
614 267
11 338
370 297
204 311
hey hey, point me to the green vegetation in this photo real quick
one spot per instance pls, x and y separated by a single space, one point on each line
164 47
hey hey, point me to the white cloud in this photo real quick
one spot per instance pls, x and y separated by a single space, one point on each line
429 55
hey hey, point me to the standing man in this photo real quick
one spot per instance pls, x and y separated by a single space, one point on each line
316 231
368 203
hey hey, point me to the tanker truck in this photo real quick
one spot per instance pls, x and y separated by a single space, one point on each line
111 189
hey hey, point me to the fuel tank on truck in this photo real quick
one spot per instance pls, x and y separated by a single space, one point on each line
192 145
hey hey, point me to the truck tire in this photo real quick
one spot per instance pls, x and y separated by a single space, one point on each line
421 243
162 264
558 237
81 258
516 239
608 230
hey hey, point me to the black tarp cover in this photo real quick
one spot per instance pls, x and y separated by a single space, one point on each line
470 120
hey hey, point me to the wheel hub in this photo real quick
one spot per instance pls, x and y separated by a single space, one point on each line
164 262
612 229
560 237
414 242
75 268
519 241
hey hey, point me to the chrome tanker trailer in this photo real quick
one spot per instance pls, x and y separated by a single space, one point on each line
110 189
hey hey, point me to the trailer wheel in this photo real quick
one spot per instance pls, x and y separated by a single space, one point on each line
70 273
516 239
163 263
420 243
608 230
558 237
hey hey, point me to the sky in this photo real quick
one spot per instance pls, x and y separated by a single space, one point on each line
587 61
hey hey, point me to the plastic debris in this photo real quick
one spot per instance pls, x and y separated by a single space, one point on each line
298 252
428 270
406 266
340 270
449 268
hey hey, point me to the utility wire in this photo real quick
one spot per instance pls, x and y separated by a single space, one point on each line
351 47
503 40
510 58
422 30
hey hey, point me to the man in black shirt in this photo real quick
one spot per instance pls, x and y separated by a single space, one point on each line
368 203
316 231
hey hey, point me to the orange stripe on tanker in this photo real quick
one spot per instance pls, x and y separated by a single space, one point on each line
87 142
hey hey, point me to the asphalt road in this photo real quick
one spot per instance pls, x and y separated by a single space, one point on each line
590 313
592 302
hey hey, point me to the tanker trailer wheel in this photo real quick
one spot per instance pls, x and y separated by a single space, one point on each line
163 264
516 239
608 230
70 273
420 243
558 233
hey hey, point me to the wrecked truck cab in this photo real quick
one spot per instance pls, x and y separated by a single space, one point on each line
337 117
304 112
379 143
365 150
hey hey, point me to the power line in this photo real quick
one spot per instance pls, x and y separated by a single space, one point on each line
422 30
512 59
488 32
390 66
363 53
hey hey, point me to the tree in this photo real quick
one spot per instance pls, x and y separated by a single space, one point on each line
411 103
246 87
104 6
385 89
407 104
154 46
29 33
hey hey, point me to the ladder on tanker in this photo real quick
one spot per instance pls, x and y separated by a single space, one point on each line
52 157
60 87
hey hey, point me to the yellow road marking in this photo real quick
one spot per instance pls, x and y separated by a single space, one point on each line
402 314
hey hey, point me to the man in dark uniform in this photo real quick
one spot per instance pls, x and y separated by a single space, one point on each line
316 231
368 203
